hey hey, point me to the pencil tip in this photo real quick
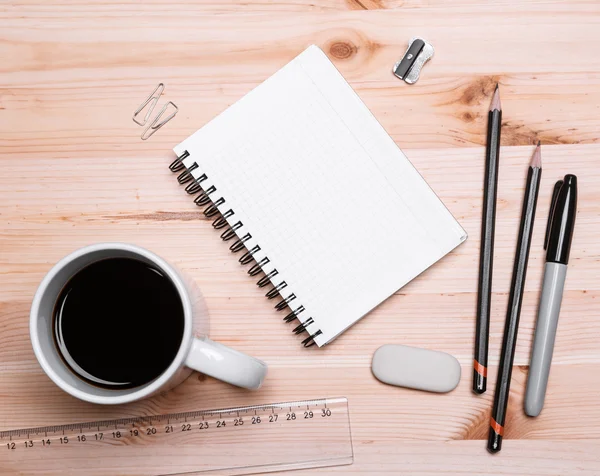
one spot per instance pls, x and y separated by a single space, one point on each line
539 143
536 159
496 100
497 84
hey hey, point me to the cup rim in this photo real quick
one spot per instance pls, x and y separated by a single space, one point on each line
136 393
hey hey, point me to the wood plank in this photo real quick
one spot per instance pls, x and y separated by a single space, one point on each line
159 7
116 207
70 82
401 415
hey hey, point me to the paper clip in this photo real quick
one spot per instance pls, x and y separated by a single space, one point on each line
156 125
152 100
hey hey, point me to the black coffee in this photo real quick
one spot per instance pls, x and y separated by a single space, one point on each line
118 323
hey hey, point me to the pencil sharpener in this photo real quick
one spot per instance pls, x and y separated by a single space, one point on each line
416 55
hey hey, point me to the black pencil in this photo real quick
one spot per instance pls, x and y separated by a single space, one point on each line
511 326
486 251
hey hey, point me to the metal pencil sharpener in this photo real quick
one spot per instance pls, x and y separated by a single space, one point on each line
417 54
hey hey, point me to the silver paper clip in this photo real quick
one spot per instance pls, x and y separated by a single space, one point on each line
417 54
156 125
152 100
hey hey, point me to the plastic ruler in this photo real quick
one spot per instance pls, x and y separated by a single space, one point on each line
242 440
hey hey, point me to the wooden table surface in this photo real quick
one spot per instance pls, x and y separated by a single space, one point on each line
74 171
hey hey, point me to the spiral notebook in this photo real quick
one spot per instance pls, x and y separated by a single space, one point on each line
316 197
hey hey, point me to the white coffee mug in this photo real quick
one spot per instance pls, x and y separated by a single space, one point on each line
197 353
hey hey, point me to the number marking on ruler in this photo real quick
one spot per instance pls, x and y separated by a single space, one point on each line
129 429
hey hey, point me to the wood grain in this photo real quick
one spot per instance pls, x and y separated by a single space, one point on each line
75 172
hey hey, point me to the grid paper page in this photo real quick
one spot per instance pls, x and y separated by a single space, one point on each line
305 168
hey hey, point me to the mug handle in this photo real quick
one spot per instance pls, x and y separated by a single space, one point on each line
226 364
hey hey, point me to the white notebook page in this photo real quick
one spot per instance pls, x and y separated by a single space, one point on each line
324 191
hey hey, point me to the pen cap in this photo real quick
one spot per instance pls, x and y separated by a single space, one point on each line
562 221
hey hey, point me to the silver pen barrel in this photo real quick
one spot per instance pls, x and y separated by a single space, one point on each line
545 334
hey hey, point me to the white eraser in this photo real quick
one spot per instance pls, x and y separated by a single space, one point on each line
412 367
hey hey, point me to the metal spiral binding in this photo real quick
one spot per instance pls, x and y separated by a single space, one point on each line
302 327
204 199
221 222
281 305
310 340
257 268
211 211
195 187
230 233
177 164
266 279
238 245
248 256
273 293
186 175
294 314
